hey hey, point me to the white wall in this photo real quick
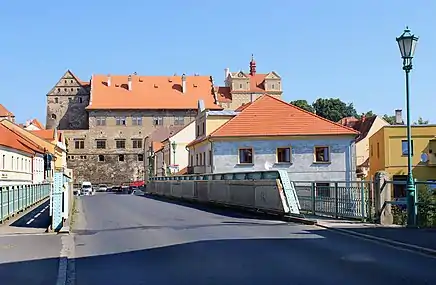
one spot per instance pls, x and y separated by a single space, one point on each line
38 168
182 138
31 128
15 167
202 151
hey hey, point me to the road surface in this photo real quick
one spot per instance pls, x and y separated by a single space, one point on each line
125 239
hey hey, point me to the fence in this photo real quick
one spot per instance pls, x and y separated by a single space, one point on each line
14 199
338 199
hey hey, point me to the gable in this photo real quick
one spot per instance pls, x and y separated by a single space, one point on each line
272 75
240 75
67 80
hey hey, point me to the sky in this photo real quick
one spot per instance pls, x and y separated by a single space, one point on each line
321 49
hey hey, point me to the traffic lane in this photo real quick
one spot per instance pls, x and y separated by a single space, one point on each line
163 243
29 259
36 218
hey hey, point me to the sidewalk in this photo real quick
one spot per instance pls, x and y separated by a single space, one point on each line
422 240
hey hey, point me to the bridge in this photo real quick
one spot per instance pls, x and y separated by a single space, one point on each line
169 236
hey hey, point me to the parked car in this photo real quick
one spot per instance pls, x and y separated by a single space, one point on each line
102 188
86 188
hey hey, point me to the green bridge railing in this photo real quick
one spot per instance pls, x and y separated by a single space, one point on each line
14 199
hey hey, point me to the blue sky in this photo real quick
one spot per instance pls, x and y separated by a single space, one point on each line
337 48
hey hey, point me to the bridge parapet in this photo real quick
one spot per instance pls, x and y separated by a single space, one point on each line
268 191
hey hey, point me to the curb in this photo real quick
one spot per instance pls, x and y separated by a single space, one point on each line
301 220
406 246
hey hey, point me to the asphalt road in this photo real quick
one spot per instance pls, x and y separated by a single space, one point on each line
125 239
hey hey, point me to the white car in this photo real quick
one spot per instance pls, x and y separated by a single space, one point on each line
102 188
86 189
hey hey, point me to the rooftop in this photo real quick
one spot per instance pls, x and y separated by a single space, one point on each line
5 112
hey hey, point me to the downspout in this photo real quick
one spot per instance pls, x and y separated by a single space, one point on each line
211 152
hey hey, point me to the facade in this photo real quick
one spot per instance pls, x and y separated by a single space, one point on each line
272 134
57 139
110 121
21 161
174 152
366 127
243 87
5 114
58 153
388 152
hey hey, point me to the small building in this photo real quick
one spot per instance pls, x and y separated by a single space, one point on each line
272 134
21 160
6 114
366 126
33 125
388 152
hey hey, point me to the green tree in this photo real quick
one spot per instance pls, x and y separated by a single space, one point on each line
333 109
389 119
421 121
367 114
303 104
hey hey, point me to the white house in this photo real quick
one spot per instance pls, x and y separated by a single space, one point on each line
175 155
21 161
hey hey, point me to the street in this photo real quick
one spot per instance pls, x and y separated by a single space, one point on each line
126 239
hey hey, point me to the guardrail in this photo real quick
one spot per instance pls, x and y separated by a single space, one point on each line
268 191
17 198
338 199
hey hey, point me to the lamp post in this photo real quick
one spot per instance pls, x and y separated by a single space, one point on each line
174 145
407 42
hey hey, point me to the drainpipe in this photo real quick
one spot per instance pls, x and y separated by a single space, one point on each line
211 151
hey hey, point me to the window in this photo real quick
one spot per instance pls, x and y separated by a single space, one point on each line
137 121
53 116
322 154
192 160
101 121
198 130
201 159
80 100
140 157
404 147
137 143
79 144
196 159
12 163
240 86
203 128
18 161
179 120
204 158
284 155
210 157
101 144
157 121
56 100
100 157
4 162
70 99
246 155
378 150
322 189
273 87
121 157
120 144
120 121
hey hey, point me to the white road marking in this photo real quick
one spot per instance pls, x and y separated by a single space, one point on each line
30 221
37 215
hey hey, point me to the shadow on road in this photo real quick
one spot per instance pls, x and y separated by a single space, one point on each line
313 259
216 209
36 218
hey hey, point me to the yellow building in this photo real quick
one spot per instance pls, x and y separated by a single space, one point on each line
388 152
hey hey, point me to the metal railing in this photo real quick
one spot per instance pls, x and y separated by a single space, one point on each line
337 199
14 199
249 175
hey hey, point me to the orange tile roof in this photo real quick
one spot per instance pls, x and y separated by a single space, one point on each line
48 135
151 92
223 94
268 116
5 112
156 146
13 140
242 107
37 124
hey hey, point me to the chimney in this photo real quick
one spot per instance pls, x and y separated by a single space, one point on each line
226 73
398 117
129 83
363 118
109 80
183 83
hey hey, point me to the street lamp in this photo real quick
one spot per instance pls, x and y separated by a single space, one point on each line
407 42
174 145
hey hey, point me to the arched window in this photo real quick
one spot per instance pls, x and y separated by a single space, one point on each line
53 116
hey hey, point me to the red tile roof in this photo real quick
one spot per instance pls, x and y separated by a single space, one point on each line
37 124
151 92
269 116
5 112
223 94
48 135
156 146
242 107
13 140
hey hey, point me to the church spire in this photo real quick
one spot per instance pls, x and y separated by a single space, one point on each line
252 66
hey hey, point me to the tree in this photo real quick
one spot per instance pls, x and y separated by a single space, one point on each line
421 121
303 105
367 115
333 109
390 119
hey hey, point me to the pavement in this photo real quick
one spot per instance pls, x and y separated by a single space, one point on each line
127 239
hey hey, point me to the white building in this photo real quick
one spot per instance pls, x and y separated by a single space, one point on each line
21 161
